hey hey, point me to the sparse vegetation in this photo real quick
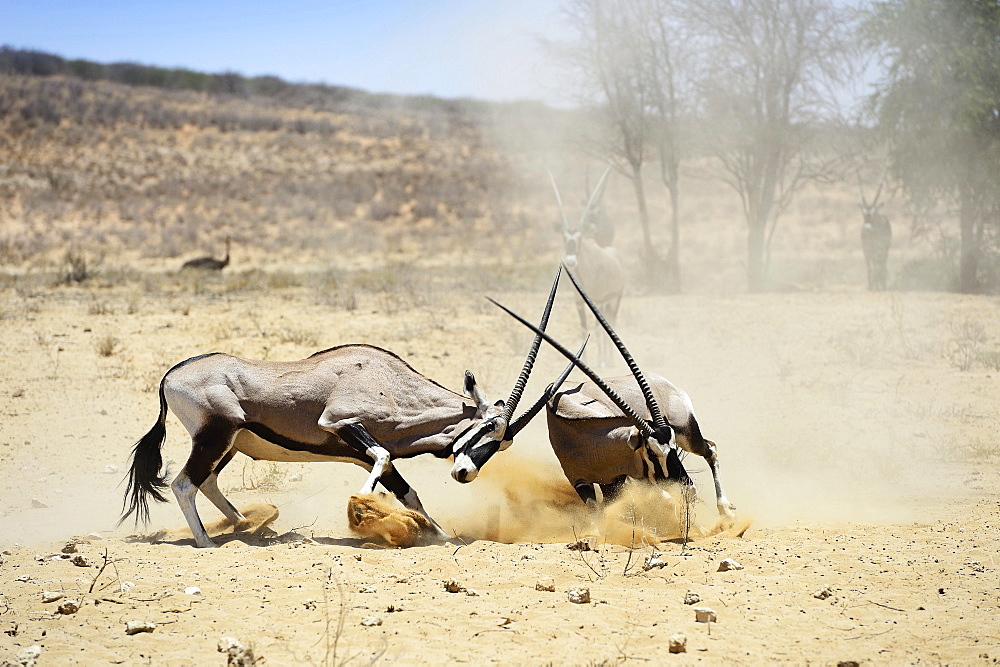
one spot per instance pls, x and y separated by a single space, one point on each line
107 345
966 346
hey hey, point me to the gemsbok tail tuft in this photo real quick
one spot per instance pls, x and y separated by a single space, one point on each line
144 478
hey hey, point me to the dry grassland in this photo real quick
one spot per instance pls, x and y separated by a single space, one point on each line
858 432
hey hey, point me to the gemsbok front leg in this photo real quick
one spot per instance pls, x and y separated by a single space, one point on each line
355 436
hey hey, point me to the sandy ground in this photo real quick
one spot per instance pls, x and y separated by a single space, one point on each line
862 455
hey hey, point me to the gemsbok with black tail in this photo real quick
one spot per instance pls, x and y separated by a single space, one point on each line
607 430
352 403
598 268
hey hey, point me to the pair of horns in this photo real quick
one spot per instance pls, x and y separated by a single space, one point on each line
647 392
592 201
515 426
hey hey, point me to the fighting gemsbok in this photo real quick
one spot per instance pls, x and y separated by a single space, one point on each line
606 430
353 403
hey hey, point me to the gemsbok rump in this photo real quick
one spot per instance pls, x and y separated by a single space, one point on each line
606 430
352 403
598 268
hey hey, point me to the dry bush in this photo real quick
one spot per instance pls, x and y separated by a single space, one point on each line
107 345
966 346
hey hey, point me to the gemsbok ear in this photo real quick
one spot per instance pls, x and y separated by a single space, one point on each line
473 391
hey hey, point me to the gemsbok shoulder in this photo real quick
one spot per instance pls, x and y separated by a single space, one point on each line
604 431
353 403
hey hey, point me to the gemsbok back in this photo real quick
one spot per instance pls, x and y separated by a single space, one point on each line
353 403
607 430
598 268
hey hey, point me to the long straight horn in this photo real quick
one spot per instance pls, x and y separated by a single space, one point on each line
555 189
522 421
529 362
626 409
861 187
647 392
596 195
881 182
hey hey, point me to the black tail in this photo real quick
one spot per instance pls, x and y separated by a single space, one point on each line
144 479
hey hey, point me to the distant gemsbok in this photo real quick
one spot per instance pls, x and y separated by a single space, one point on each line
353 403
598 268
876 238
606 430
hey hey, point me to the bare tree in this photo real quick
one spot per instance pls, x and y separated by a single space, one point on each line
607 59
773 72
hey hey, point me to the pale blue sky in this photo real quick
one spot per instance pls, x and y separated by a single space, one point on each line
450 48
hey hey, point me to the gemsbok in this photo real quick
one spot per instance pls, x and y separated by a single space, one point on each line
607 430
876 238
353 403
598 268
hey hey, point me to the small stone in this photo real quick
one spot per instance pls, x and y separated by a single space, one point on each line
823 593
135 627
729 564
578 595
653 561
546 584
192 590
583 544
295 477
23 578
453 586
678 643
371 621
705 615
27 657
70 547
691 598
38 504
110 469
976 566
51 596
472 593
95 536
80 561
69 607
238 654
368 589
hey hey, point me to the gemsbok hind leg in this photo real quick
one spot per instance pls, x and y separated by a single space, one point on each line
209 447
210 488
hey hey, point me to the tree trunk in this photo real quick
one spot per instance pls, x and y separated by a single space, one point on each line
756 267
673 255
968 268
652 262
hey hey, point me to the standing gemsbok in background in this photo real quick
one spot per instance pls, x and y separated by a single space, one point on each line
606 430
876 238
353 403
598 268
